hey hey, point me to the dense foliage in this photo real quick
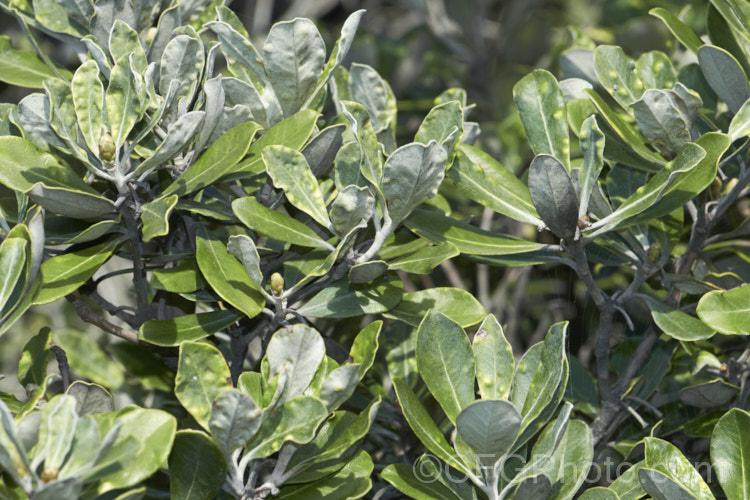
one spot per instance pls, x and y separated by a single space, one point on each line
285 288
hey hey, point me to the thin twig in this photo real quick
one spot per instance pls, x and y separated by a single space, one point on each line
139 274
62 365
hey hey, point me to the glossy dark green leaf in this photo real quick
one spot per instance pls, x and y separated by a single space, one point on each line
480 177
553 195
438 228
725 76
321 151
185 277
342 299
458 305
226 275
709 394
197 468
202 375
191 327
446 362
90 398
493 360
727 311
276 225
542 108
218 161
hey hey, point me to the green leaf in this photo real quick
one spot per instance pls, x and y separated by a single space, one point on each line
90 398
458 305
339 385
185 277
406 480
655 70
423 426
191 327
226 275
122 101
88 97
709 394
365 347
727 311
371 162
446 362
662 487
616 73
553 195
276 225
179 134
32 367
664 119
575 447
438 228
87 359
680 30
218 161
661 191
202 375
197 468
411 175
65 273
235 418
665 458
294 55
368 88
151 431
739 128
243 247
24 68
155 217
367 272
424 260
123 40
480 177
351 481
290 172
56 431
353 207
489 427
677 324
493 360
292 132
538 377
592 146
183 60
242 57
27 169
632 145
599 493
725 76
542 108
295 421
13 257
443 124
628 486
296 350
730 453
342 299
